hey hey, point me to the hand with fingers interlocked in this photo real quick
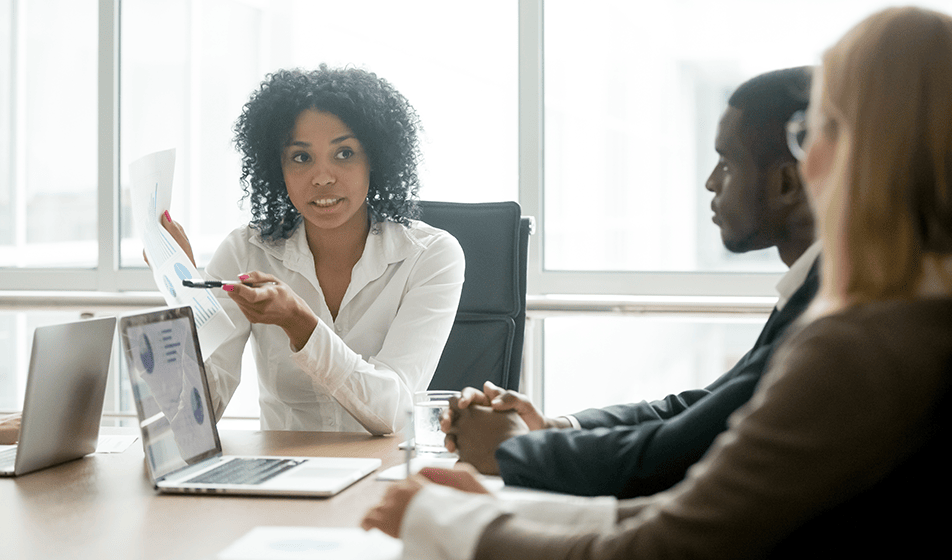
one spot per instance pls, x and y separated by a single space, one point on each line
479 421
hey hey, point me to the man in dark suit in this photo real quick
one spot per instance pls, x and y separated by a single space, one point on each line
638 449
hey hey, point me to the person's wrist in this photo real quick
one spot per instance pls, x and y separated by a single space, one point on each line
300 326
559 422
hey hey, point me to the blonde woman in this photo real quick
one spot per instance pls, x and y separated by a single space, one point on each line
840 451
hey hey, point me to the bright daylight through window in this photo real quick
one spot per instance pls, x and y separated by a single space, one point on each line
622 119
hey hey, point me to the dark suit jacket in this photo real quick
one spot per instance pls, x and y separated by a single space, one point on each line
639 449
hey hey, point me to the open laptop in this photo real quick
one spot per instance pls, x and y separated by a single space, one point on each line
65 388
182 448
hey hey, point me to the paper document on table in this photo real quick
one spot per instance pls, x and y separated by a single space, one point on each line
151 196
114 443
399 472
312 543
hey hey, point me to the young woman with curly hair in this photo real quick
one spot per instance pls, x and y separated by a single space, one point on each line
348 299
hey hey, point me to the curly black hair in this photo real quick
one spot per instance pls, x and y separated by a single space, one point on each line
380 117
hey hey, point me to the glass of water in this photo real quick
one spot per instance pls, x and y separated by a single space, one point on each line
427 408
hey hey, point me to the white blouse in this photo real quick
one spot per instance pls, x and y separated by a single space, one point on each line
358 372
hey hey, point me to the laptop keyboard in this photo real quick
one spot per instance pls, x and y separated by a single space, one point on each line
245 471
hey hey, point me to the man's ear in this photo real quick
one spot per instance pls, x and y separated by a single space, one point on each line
791 185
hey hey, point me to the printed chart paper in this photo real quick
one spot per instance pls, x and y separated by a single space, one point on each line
151 196
312 543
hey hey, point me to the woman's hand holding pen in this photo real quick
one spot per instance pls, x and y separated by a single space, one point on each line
265 299
261 297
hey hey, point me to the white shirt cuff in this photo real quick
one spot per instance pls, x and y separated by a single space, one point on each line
442 523
326 359
599 514
573 421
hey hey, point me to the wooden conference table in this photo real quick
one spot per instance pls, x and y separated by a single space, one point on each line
103 506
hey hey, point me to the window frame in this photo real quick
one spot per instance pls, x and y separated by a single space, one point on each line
532 192
109 277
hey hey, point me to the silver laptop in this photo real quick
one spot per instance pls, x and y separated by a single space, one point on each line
182 448
65 388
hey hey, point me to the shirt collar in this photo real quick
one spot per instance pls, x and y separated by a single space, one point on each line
293 251
392 243
795 277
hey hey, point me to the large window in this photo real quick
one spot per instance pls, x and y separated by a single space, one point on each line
188 66
594 361
598 117
622 119
633 92
48 132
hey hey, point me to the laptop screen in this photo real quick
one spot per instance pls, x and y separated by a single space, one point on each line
171 393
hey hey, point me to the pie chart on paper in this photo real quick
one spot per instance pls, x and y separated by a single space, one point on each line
181 271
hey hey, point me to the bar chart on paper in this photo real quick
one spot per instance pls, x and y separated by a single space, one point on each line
151 196
161 247
204 310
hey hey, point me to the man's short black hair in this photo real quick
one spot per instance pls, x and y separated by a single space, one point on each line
766 103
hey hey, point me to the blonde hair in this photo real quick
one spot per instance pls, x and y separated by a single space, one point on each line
887 85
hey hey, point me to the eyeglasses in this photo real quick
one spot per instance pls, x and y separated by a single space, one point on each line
797 135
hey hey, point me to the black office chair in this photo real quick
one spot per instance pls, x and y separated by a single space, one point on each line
487 337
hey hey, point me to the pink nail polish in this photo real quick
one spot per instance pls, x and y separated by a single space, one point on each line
244 277
228 288
167 217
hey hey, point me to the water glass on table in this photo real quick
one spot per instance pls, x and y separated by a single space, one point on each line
427 408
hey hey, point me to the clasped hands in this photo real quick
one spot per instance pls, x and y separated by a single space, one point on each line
475 424
479 421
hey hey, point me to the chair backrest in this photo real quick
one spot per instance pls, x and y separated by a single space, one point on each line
487 337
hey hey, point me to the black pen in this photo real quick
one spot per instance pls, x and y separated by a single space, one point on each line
193 283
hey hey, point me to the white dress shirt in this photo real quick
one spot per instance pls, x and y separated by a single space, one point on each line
356 372
790 282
